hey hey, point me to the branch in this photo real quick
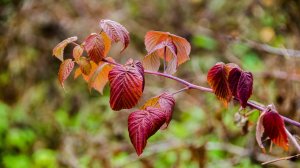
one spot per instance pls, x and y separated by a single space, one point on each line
250 103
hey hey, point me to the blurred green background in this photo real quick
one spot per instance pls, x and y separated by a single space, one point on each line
43 126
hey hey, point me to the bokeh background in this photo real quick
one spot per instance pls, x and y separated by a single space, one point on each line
43 126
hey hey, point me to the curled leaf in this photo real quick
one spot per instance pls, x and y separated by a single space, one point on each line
100 77
274 128
165 49
244 88
58 50
181 47
95 47
65 69
142 124
77 52
115 31
85 65
126 85
107 43
271 124
260 131
233 80
217 79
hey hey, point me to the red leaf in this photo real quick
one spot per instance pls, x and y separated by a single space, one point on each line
142 124
244 88
178 45
65 69
217 79
95 47
165 102
126 85
274 128
233 80
115 31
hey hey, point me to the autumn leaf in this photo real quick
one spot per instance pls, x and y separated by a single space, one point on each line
77 73
167 48
84 65
58 50
95 47
233 80
107 43
217 79
100 77
115 31
182 46
260 131
245 87
65 69
142 124
77 52
273 127
165 102
126 85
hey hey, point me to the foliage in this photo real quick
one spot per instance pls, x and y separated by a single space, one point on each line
127 82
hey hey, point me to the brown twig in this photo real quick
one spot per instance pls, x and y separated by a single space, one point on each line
280 159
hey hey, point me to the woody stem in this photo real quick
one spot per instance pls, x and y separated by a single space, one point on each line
250 103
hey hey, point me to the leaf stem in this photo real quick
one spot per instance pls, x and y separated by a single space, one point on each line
165 58
250 103
181 90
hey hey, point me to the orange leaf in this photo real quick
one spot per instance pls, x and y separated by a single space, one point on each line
65 69
126 85
165 48
100 77
58 50
85 65
107 43
77 52
116 32
153 102
182 46
217 79
151 62
95 47
77 73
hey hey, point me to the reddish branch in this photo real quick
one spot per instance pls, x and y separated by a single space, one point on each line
205 89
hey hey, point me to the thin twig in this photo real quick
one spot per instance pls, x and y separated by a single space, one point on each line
280 159
293 140
273 50
250 103
181 90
